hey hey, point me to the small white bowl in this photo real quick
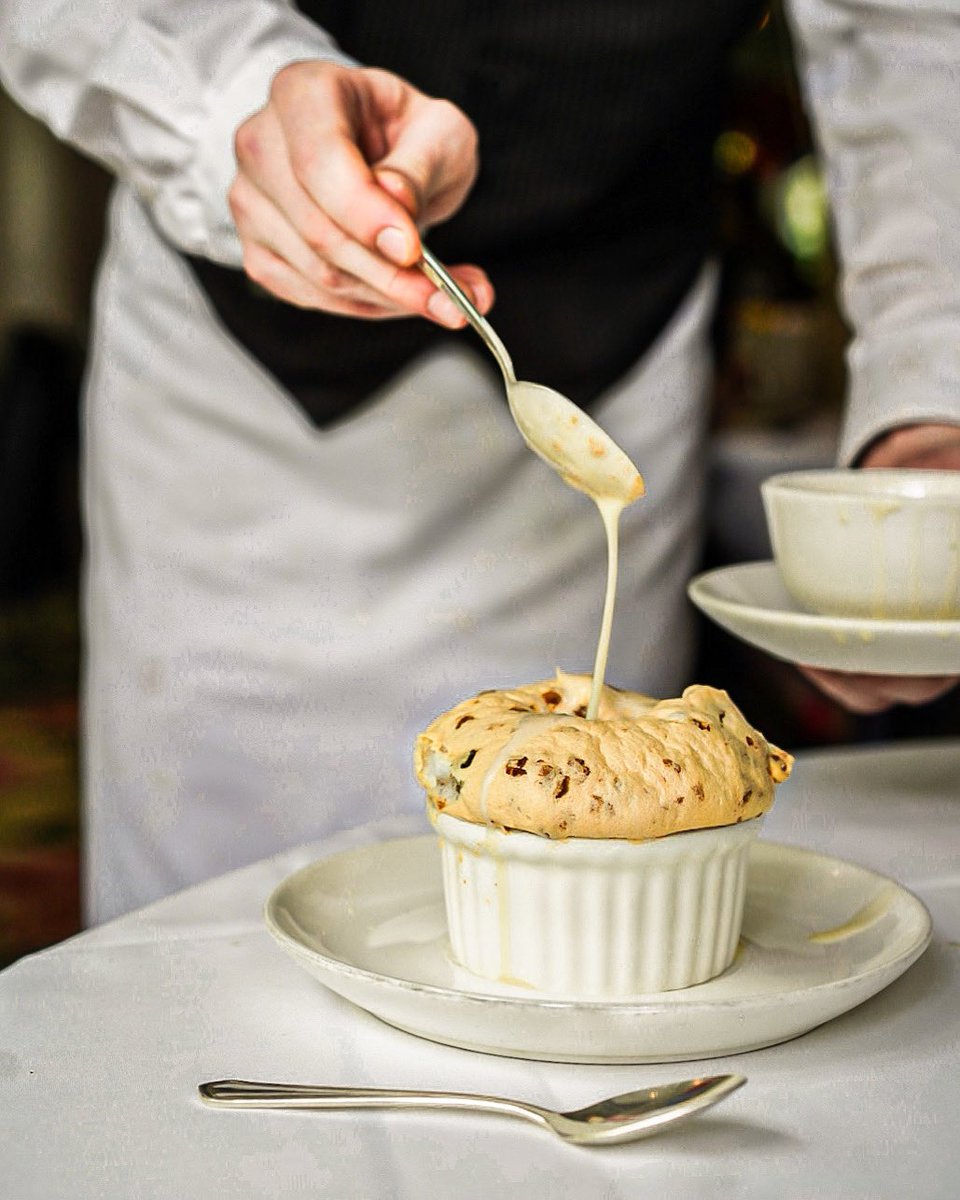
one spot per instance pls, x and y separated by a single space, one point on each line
594 918
870 543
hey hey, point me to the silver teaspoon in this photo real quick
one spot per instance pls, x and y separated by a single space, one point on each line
620 1119
555 428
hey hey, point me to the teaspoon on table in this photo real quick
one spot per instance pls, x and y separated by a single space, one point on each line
555 428
622 1118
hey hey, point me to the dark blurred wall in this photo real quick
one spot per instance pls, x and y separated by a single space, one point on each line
51 222
51 219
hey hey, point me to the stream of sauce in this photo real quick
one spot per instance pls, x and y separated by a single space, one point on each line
589 460
596 466
610 511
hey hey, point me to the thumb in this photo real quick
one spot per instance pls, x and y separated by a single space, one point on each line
432 164
397 185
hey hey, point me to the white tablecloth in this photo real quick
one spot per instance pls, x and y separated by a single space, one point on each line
104 1038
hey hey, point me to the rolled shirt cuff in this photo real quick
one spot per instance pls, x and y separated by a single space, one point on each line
195 215
907 379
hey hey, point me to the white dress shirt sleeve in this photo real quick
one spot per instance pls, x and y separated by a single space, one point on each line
155 89
883 85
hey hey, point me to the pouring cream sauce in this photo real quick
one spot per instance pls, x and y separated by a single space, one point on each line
589 460
572 443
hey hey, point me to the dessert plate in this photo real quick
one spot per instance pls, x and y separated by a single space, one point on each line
820 936
751 602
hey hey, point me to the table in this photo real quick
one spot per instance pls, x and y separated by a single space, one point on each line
104 1038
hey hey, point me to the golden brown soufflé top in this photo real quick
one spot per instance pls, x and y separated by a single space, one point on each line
527 758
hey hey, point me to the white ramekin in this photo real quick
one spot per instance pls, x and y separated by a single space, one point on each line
594 919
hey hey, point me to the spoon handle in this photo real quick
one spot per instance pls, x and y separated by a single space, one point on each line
441 278
243 1093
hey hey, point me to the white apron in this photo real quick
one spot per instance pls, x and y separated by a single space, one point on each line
273 611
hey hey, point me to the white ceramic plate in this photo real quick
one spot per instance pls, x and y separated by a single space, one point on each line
751 602
369 923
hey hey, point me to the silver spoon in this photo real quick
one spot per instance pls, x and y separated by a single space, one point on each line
620 1119
555 428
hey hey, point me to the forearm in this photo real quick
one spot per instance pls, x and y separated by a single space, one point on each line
881 83
155 90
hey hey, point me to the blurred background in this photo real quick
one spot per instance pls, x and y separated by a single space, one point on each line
779 383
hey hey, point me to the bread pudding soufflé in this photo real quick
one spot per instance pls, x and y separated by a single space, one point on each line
596 858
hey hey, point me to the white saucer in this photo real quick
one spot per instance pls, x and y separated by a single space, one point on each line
751 602
369 923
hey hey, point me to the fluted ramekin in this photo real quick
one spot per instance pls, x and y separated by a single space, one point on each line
594 918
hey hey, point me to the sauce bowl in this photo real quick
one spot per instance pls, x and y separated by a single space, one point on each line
878 543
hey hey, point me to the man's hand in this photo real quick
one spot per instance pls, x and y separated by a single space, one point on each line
924 446
876 693
335 175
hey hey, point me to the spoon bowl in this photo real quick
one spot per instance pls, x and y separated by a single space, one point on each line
554 428
562 434
624 1118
